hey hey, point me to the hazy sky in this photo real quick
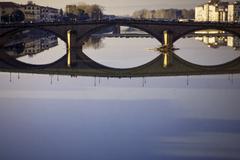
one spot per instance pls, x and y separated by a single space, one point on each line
122 7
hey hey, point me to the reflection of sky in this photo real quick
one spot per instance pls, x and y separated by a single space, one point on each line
124 52
199 53
119 118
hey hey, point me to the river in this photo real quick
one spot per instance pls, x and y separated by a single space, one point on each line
45 116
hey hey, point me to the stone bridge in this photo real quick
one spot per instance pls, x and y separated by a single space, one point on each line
75 62
77 32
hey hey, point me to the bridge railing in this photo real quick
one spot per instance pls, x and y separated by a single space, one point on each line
126 21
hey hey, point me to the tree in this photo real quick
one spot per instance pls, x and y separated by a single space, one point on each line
61 12
92 11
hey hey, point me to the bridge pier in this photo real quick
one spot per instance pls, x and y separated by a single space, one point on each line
74 48
1 43
167 49
168 38
167 59
117 29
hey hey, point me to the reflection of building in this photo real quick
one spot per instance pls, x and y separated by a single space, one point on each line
32 43
234 42
39 45
216 39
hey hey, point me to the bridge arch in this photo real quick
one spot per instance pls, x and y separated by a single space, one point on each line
81 38
84 36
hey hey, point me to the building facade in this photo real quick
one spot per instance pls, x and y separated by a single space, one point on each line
31 12
37 13
49 14
234 12
214 11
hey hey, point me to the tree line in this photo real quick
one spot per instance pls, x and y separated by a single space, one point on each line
164 14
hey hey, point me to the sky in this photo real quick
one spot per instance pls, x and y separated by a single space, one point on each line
122 7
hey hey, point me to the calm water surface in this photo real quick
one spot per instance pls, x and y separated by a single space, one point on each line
90 118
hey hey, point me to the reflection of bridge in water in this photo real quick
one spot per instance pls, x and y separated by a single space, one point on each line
76 63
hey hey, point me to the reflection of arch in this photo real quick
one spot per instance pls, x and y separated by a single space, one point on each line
208 67
205 28
22 65
17 48
152 68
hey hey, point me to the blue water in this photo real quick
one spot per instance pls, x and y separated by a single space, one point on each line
48 117
152 118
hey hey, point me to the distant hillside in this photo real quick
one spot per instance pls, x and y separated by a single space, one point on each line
164 14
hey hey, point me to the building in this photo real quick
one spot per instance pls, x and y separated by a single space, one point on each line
37 13
234 12
49 14
32 12
217 11
199 14
214 11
